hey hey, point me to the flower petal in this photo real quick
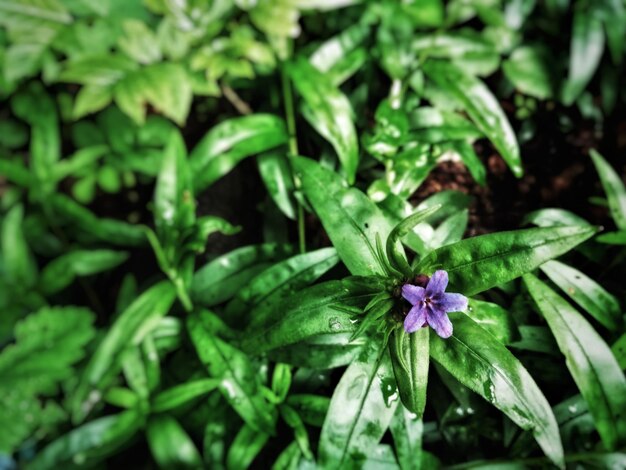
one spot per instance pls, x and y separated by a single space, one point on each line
413 294
439 321
437 284
415 319
453 302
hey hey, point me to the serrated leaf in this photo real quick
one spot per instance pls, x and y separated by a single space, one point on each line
328 110
482 107
590 361
231 141
480 362
238 377
47 343
350 218
478 263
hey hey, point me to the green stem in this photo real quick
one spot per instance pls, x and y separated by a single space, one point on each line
293 151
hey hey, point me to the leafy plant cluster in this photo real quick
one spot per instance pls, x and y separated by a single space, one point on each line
123 332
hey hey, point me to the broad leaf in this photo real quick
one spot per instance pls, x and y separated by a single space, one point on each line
476 264
480 362
590 361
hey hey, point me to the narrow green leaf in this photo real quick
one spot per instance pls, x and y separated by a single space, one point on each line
409 357
590 361
450 231
181 394
612 238
220 279
348 216
34 11
18 263
92 442
553 217
406 429
231 141
480 362
528 68
238 376
587 293
471 161
129 329
255 300
482 107
276 174
613 187
329 111
325 351
245 447
619 351
61 271
586 49
360 410
170 445
311 408
476 264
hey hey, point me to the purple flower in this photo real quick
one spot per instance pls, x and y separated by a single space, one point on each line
431 305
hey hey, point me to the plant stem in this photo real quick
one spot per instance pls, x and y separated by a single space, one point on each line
293 151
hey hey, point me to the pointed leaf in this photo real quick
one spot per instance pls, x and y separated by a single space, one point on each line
410 359
613 187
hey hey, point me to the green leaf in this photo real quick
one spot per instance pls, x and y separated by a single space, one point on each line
619 350
276 174
395 253
322 309
325 351
482 107
238 376
350 218
245 447
480 362
220 279
450 231
104 229
231 141
61 271
139 42
19 417
329 111
590 361
613 238
494 319
257 298
553 218
90 99
476 264
14 13
47 343
174 205
165 86
586 49
360 410
170 445
409 357
528 69
471 161
18 264
613 187
90 443
587 293
311 408
129 329
102 71
406 429
181 394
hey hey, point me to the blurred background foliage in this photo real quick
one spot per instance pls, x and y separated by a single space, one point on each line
120 127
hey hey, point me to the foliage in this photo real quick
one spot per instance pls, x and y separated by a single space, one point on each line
127 327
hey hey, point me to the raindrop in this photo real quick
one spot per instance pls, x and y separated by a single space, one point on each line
572 408
334 324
